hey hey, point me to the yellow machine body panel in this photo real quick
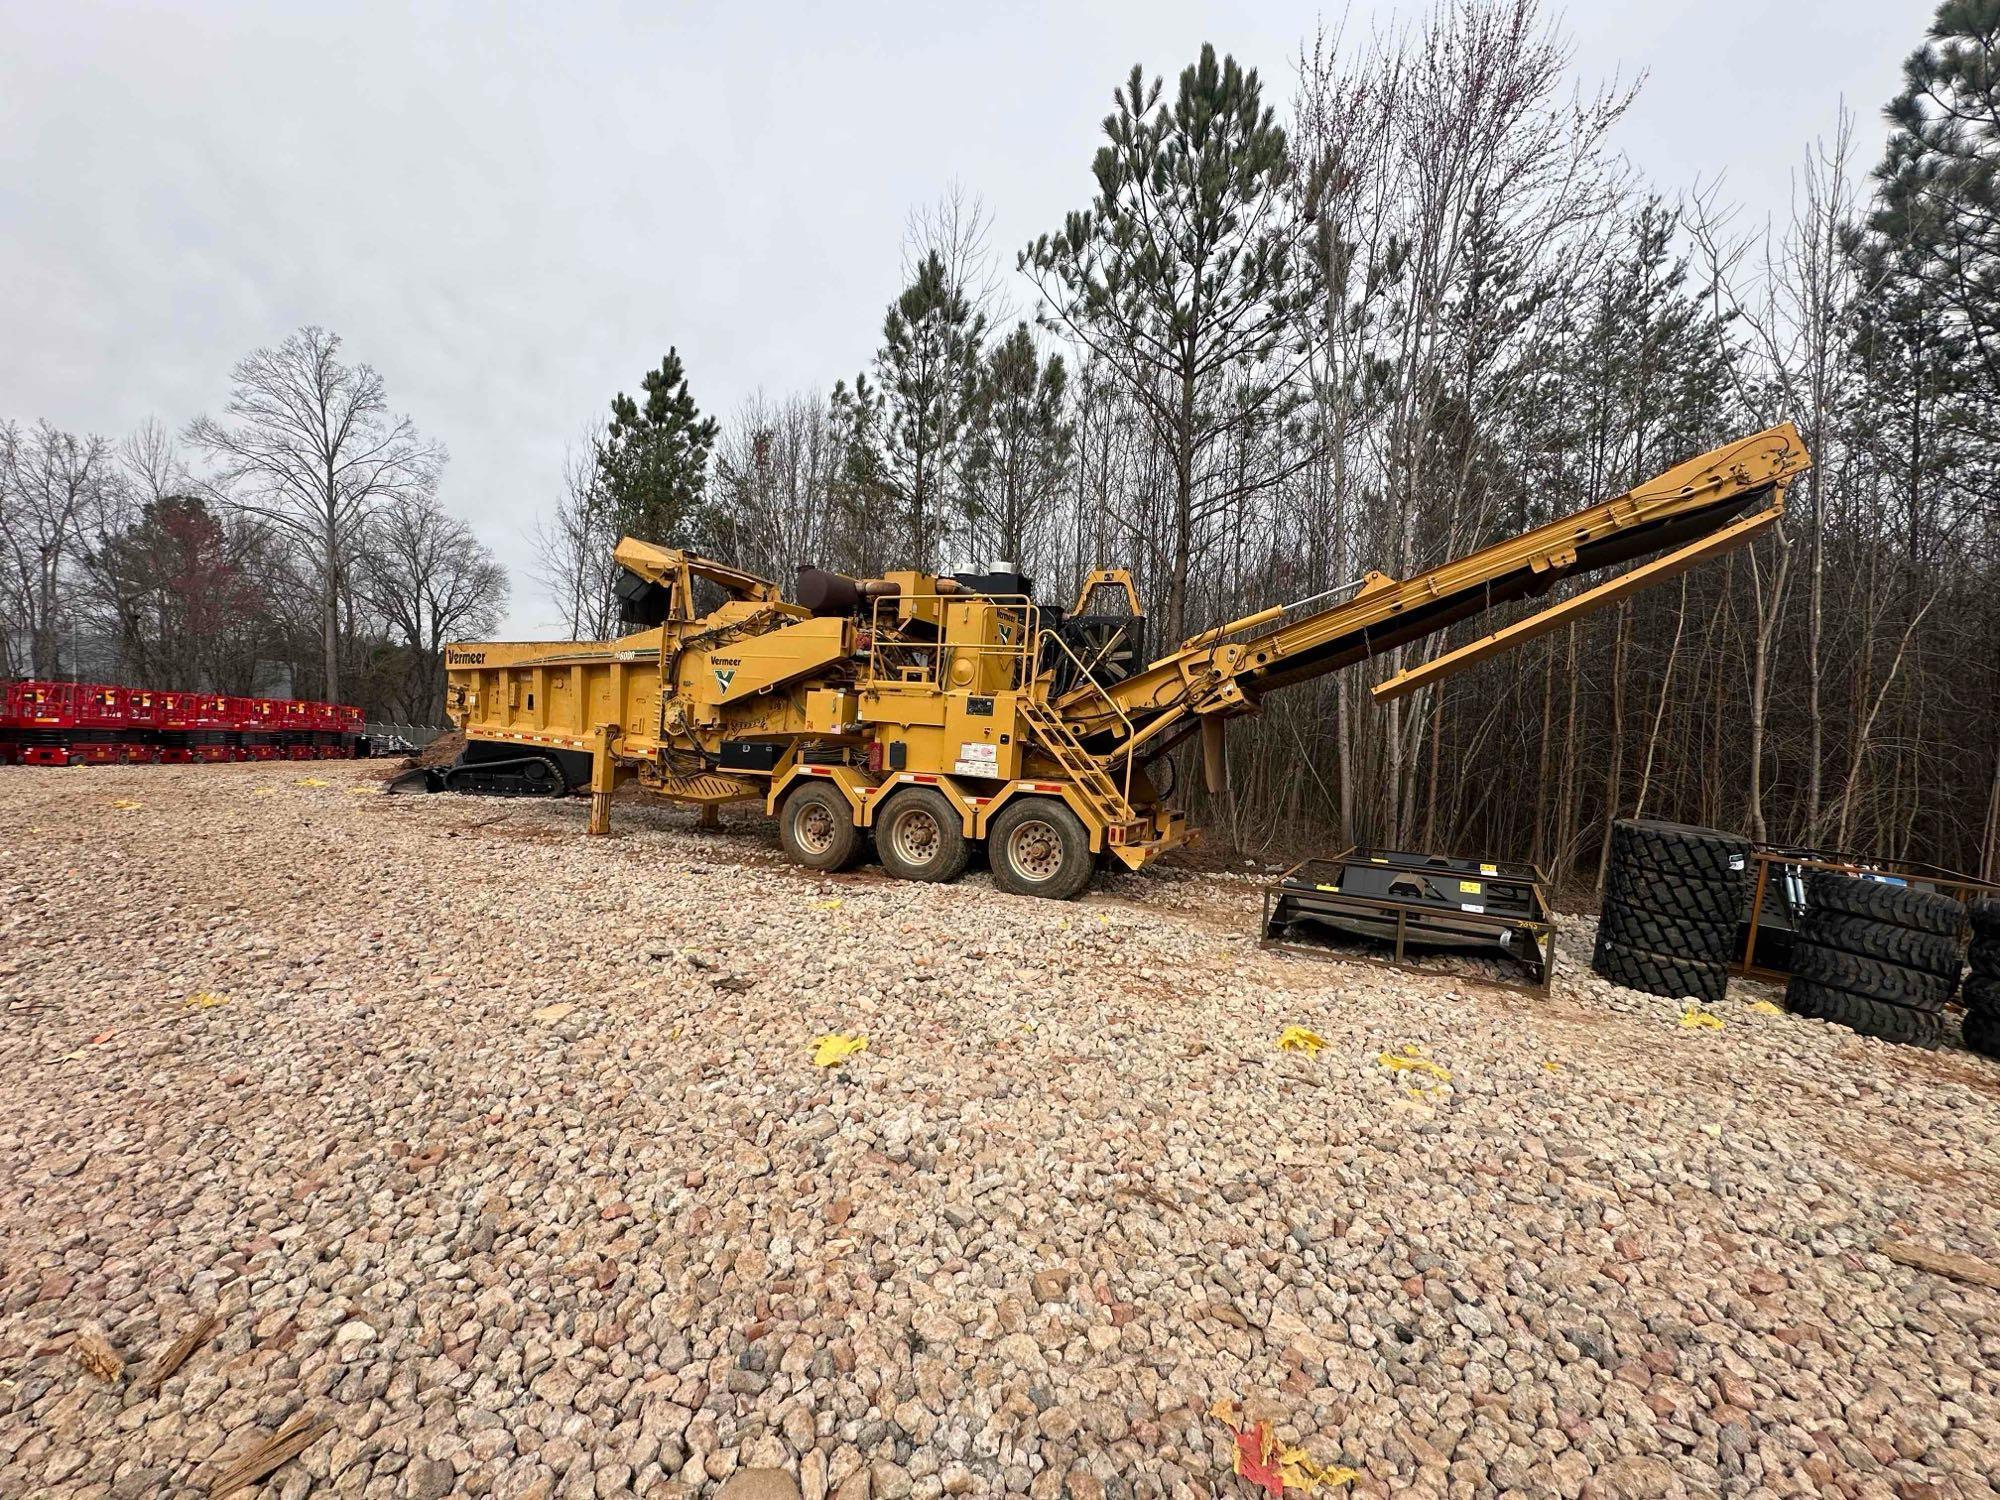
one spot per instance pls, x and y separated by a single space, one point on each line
537 693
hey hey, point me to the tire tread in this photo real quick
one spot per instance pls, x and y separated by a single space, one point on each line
1864 1014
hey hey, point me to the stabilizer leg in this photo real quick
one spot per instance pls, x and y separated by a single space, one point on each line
603 773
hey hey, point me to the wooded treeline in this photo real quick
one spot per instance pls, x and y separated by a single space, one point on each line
293 545
1429 306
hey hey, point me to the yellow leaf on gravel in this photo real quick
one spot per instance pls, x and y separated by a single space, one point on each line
312 781
1298 1039
204 1000
549 1014
833 905
1694 1018
1552 1065
1412 1060
126 804
1765 1008
831 1050
1300 1473
260 791
363 789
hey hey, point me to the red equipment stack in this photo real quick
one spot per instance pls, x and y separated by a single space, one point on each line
45 723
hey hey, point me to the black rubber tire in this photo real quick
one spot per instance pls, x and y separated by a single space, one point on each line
1911 988
1659 974
816 827
1704 854
1678 937
1862 1013
1899 906
1982 994
1897 945
1032 828
1670 896
1984 959
919 835
1982 1033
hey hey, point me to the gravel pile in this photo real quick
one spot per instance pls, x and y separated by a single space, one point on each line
501 1150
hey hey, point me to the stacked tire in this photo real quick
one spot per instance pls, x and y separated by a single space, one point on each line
1982 984
1674 902
1877 958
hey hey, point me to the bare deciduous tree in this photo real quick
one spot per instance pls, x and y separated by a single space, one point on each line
573 545
309 444
431 581
54 488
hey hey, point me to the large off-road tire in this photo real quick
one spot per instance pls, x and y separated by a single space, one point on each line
920 836
1982 994
1678 937
816 827
1984 955
1903 946
1982 1032
1870 1017
1877 901
1037 847
1637 886
1657 974
1912 988
1680 849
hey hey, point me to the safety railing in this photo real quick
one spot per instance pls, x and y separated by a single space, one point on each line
1125 730
902 661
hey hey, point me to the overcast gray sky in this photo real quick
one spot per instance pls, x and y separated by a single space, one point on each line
512 212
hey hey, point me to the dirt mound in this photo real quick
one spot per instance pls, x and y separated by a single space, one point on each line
441 751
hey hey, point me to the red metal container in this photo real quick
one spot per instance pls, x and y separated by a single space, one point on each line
174 723
45 713
260 727
141 744
296 714
103 713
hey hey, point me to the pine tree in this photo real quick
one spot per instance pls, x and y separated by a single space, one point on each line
928 369
1940 180
1020 445
653 459
1184 276
861 492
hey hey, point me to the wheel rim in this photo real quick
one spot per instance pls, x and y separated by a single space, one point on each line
813 828
917 836
1035 850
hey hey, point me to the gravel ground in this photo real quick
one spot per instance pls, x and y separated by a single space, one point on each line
502 1149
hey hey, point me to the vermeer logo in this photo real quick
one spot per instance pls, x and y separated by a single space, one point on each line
464 658
723 677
